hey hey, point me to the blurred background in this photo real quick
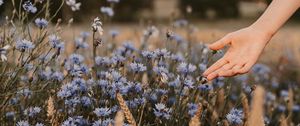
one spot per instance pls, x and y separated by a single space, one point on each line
212 18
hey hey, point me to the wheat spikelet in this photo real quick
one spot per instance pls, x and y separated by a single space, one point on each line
51 112
126 110
225 123
290 105
283 120
119 119
195 121
245 107
256 114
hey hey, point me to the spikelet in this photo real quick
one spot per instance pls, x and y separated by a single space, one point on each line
195 121
256 114
245 107
225 123
51 111
283 120
126 110
119 119
290 105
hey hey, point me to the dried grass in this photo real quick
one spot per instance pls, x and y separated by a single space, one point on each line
245 107
257 112
126 110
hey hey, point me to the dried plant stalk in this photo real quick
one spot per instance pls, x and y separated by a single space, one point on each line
51 112
245 107
126 110
256 114
119 119
220 99
195 121
225 123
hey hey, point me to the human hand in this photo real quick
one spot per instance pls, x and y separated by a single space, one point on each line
245 47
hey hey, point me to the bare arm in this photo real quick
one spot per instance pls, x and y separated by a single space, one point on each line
247 44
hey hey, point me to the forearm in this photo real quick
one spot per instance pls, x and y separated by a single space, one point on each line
278 12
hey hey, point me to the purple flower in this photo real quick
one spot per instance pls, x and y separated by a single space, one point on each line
193 108
205 87
75 121
188 83
162 53
76 59
102 60
41 23
235 116
161 111
23 123
100 122
1 2
57 76
137 67
32 111
185 68
27 6
148 54
108 11
74 6
24 44
102 112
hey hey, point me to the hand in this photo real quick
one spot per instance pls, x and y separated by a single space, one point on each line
245 47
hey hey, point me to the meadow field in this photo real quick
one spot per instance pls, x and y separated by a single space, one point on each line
102 73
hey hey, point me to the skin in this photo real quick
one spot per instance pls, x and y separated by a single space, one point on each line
247 44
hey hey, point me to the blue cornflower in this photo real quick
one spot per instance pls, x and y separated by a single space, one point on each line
148 54
160 70
177 57
102 112
39 124
32 111
235 116
76 58
162 53
10 114
41 23
102 60
28 6
103 83
161 111
114 33
1 2
100 122
73 4
108 11
188 83
129 46
45 75
115 59
84 35
177 38
75 121
185 68
202 67
296 108
281 108
57 76
205 87
193 108
175 82
137 67
85 101
284 93
54 41
80 43
180 23
24 44
23 123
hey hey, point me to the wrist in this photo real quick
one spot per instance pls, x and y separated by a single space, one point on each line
262 31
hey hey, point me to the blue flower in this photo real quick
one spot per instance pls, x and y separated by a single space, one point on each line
100 122
28 6
41 23
281 108
193 108
160 70
235 116
85 101
10 114
102 112
137 67
162 53
76 59
185 68
25 92
188 83
113 1
39 124
23 123
57 76
108 11
80 43
74 6
148 54
75 121
296 108
180 23
205 87
55 41
114 33
1 2
32 111
284 93
102 60
174 83
24 44
115 59
178 57
161 111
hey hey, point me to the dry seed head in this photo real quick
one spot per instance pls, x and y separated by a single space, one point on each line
119 119
126 110
257 111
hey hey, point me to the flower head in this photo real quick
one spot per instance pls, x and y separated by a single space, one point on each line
97 25
41 23
32 111
24 44
1 2
28 6
161 110
102 112
185 68
73 4
137 67
23 123
108 11
235 116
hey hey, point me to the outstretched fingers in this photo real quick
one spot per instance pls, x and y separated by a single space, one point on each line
215 66
220 43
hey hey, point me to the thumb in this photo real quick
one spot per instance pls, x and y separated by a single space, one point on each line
220 43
